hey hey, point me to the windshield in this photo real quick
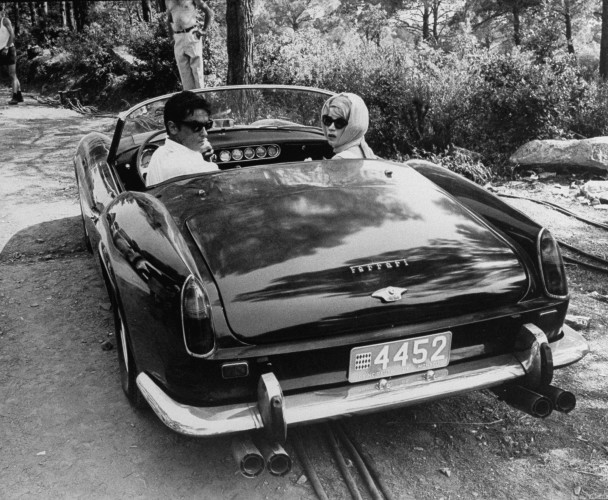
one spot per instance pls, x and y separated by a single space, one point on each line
240 107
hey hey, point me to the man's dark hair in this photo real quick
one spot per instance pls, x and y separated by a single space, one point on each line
179 106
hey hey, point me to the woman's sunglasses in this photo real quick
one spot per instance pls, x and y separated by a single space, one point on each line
198 126
340 123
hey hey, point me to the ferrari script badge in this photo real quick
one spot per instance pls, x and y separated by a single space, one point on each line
390 294
378 266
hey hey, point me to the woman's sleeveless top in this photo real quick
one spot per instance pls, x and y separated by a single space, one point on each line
4 34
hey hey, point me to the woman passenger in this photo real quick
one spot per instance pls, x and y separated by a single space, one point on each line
345 121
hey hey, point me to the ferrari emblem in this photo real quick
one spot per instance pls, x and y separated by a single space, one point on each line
389 294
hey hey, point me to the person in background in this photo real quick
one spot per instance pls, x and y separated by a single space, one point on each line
188 46
187 119
345 121
8 55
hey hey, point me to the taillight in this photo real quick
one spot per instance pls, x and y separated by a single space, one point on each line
196 318
552 266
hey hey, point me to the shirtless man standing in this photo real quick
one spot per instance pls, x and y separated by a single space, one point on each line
188 48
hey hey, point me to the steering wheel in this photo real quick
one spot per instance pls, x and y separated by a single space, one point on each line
145 149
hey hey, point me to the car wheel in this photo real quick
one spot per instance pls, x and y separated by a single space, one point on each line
128 369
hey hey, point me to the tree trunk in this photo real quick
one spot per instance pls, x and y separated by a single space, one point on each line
43 10
426 14
239 41
33 13
161 6
604 42
62 14
516 26
435 9
146 10
16 17
568 20
69 14
81 11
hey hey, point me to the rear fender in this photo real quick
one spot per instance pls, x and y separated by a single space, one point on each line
97 182
503 217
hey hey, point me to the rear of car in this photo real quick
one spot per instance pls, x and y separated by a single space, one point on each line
339 287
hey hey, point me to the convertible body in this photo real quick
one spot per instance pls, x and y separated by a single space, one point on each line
286 288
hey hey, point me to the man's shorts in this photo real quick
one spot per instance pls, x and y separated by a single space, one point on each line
9 58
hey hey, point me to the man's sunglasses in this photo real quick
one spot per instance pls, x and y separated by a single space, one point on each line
198 126
340 123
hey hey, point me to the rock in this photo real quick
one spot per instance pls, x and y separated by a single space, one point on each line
445 471
125 59
107 345
599 296
596 190
591 154
302 479
577 322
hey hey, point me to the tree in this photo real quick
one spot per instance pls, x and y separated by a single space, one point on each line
370 21
146 10
239 41
513 10
431 17
604 42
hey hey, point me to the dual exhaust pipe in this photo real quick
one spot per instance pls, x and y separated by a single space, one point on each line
539 402
252 459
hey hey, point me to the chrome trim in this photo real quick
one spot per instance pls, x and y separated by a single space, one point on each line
255 157
352 399
123 115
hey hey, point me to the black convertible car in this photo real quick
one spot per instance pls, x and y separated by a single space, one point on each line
287 288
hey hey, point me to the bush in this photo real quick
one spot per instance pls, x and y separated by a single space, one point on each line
156 72
517 100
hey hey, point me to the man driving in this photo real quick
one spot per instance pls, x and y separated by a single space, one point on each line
187 119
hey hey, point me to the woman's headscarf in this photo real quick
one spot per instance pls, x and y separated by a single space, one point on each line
352 108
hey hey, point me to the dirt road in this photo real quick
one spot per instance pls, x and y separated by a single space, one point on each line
67 431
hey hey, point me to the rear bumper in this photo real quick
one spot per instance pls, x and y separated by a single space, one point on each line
360 398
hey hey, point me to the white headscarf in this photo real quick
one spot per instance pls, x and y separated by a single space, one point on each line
352 108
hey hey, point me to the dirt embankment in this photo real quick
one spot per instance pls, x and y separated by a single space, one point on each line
66 430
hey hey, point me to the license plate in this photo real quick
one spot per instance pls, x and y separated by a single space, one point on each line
399 357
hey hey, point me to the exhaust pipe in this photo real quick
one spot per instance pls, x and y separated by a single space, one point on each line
247 456
562 400
526 400
278 461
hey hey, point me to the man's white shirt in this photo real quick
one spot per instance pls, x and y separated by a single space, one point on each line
173 160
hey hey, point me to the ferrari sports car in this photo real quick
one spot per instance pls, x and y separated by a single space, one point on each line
287 288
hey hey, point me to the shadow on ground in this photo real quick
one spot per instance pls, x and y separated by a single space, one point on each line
50 238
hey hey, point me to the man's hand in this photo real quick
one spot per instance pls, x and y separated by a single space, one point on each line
207 148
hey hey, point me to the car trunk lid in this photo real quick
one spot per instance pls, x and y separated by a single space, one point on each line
299 251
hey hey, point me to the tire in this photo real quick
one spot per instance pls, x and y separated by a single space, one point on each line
126 363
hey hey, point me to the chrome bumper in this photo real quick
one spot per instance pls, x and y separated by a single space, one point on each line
352 399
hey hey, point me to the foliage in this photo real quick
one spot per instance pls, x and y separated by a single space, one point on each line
459 160
155 72
522 100
472 89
